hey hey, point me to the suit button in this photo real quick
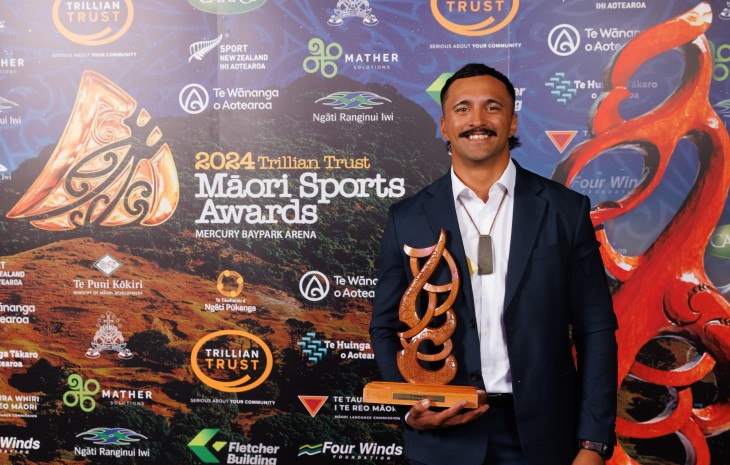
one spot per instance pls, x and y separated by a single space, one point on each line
475 376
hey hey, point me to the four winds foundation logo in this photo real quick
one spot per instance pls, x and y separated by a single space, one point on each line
103 171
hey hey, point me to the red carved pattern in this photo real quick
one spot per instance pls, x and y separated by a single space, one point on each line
665 290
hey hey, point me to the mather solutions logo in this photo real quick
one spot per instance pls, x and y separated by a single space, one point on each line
209 450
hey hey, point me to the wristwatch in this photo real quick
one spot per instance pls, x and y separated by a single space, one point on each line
603 449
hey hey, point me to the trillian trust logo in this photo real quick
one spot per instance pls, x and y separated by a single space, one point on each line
474 18
92 23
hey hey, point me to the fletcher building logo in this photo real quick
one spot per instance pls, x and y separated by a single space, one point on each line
469 18
208 450
93 22
232 361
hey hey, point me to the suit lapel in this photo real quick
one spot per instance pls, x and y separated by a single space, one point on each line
527 217
441 213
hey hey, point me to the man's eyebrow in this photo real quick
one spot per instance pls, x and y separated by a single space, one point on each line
467 101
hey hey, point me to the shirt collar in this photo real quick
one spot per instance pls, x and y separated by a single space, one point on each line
505 182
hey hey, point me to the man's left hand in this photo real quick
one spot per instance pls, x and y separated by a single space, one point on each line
588 457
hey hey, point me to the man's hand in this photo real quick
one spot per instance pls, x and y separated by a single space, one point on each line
588 457
421 418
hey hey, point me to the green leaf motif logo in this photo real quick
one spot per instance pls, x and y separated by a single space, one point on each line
81 393
199 445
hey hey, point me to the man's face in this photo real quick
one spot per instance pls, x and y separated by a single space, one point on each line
478 120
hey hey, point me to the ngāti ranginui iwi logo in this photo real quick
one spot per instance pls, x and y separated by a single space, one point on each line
232 361
98 173
93 23
111 436
469 18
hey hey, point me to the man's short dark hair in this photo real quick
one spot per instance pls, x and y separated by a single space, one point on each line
479 69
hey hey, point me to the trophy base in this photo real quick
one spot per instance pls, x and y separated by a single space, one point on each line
440 395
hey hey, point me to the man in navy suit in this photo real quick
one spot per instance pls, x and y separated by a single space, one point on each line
530 295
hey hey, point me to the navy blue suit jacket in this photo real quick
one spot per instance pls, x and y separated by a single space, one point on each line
556 290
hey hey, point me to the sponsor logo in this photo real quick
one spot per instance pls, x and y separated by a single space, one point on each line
17 446
103 438
20 406
344 101
720 242
199 49
358 100
107 264
126 177
221 361
561 88
315 349
208 450
352 408
10 64
349 8
15 313
564 40
6 104
469 18
314 286
720 58
81 393
93 22
723 108
111 436
193 99
620 5
227 7
230 283
725 13
312 348
361 451
108 338
561 139
313 403
323 58
15 358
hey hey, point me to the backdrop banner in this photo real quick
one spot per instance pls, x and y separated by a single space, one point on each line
192 195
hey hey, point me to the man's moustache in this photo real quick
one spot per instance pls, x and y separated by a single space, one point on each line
478 131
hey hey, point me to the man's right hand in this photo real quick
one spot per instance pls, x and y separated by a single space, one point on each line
421 418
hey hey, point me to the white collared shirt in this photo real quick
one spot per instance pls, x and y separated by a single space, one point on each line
489 289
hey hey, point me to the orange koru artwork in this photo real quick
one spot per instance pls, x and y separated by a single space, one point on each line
102 172
665 292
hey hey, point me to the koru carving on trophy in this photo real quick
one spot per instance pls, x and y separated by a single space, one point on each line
426 309
420 327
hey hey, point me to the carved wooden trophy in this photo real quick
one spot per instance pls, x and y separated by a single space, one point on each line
423 382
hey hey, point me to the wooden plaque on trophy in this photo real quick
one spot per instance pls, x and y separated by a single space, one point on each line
425 383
